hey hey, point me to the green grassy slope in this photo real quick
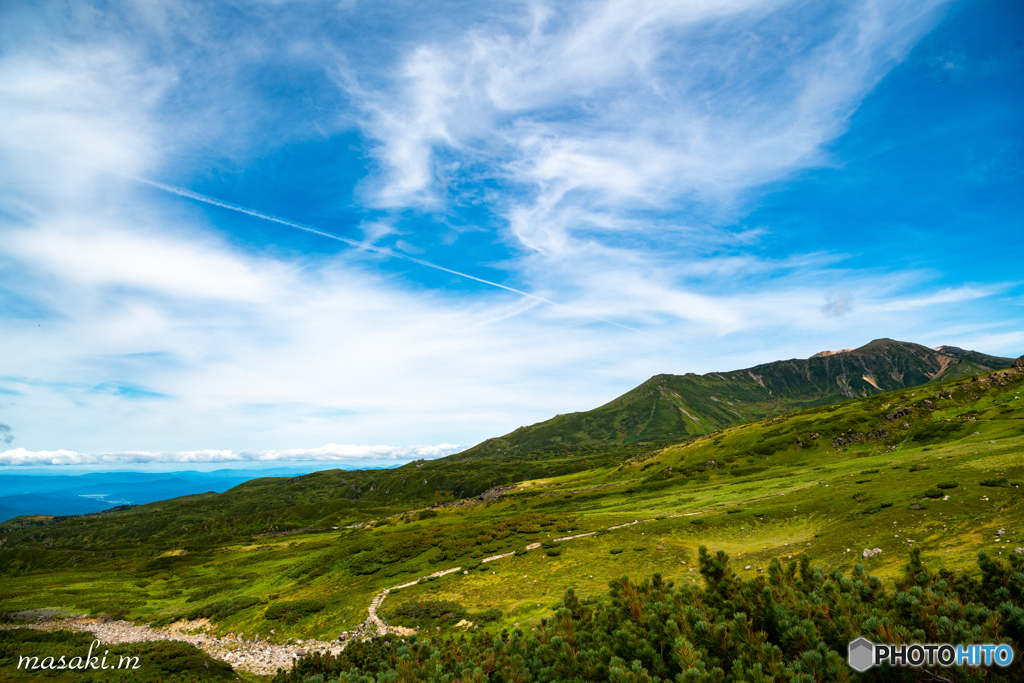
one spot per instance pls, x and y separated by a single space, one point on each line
937 467
674 407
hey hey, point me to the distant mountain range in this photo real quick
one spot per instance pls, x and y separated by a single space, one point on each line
64 494
675 407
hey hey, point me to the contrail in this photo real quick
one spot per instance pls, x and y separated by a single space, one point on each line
182 192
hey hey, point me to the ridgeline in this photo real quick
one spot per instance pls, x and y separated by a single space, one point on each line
672 408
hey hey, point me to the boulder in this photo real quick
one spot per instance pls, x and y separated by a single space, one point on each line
871 553
1019 363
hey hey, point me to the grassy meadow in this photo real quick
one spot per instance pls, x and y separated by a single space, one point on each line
938 468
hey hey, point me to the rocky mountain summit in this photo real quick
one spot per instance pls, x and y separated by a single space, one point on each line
675 407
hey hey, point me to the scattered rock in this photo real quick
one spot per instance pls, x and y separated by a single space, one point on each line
871 553
898 413
1001 532
258 657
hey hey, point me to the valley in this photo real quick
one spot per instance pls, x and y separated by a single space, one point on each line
477 544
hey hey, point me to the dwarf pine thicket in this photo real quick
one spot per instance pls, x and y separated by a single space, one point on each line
935 470
792 625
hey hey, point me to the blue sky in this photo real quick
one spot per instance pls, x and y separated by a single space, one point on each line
539 206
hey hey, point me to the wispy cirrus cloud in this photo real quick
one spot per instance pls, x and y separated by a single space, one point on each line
329 453
593 111
601 155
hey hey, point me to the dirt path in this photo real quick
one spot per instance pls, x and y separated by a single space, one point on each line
375 621
253 655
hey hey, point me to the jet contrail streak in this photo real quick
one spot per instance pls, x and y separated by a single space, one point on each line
181 192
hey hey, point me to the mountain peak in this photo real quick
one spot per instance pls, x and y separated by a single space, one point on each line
825 354
675 407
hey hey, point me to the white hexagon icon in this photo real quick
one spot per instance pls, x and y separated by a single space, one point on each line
861 654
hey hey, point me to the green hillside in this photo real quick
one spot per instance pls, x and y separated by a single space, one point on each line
675 407
939 469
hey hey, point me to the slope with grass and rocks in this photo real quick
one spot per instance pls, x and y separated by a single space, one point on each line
936 467
669 408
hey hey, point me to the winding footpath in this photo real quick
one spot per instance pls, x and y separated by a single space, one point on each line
375 621
253 655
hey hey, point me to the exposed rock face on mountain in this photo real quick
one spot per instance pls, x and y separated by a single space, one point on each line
674 407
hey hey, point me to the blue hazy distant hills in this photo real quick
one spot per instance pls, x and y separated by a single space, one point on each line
42 493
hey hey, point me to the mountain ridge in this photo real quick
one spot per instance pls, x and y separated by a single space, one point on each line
676 407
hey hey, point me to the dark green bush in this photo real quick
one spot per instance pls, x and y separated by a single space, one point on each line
995 481
554 552
426 514
488 616
293 611
414 614
793 623
616 551
933 493
215 611
948 485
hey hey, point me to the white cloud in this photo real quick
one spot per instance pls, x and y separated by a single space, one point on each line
606 107
602 124
838 303
324 454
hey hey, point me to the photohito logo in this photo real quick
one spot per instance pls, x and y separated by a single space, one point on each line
863 654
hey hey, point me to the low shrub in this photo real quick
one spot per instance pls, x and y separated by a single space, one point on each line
616 551
948 485
293 611
488 616
416 614
725 629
